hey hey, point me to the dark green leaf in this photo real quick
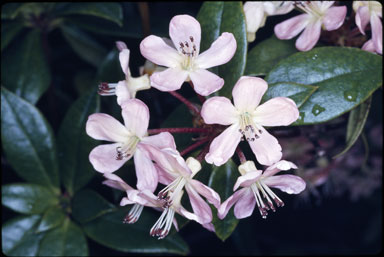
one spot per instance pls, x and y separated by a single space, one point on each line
75 145
110 231
18 237
109 11
53 217
65 240
88 205
27 198
110 69
356 122
266 54
222 180
28 141
345 77
24 67
9 31
10 10
84 45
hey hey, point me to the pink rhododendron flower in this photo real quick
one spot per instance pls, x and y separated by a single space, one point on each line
255 189
317 14
246 118
186 63
129 139
370 11
125 89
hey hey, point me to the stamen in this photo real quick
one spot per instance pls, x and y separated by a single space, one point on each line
249 130
106 89
163 224
128 149
133 214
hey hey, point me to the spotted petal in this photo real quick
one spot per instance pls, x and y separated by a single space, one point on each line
182 28
103 158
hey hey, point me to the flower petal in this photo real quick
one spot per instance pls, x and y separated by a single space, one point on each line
145 170
114 181
266 148
205 82
162 140
169 80
278 111
152 200
157 51
220 52
165 177
199 206
103 158
102 126
245 205
219 110
254 15
248 92
122 92
290 184
182 27
292 27
334 17
227 204
369 46
309 37
278 166
377 33
206 191
223 146
362 18
124 61
209 226
136 116
247 179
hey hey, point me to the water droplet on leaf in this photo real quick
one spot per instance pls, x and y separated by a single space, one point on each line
301 117
317 109
350 96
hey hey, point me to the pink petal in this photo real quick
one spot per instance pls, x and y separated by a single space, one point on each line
125 201
162 140
205 82
223 146
278 111
266 148
121 45
245 205
292 27
165 177
122 92
290 184
278 166
219 110
145 170
220 52
169 80
362 18
226 206
334 17
103 158
182 27
247 179
150 198
157 51
377 33
309 37
206 191
199 206
116 182
136 116
209 226
187 214
369 46
124 61
254 15
102 126
248 92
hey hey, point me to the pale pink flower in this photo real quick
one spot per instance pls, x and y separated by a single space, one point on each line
256 14
129 139
246 118
255 189
317 14
370 11
186 63
124 89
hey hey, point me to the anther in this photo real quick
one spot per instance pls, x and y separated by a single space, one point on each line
191 38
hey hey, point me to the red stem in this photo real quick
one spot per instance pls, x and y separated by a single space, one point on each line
241 155
203 152
179 130
193 146
185 101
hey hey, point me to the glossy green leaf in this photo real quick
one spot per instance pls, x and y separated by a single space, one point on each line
356 122
84 45
109 11
18 237
345 77
110 68
27 198
222 181
75 145
9 30
10 10
266 54
24 68
65 240
52 217
110 231
28 141
88 205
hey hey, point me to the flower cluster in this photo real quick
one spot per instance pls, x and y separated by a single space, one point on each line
157 160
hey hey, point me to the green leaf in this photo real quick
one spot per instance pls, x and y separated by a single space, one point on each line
110 68
356 122
109 11
110 231
9 30
266 54
75 145
24 68
18 237
53 217
88 205
10 10
84 45
28 141
27 198
66 240
345 78
216 18
222 181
